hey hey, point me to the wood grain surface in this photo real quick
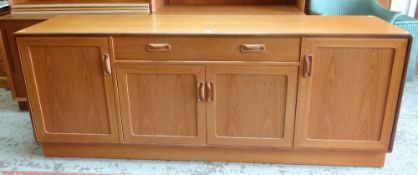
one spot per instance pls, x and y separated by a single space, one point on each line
253 105
12 62
71 97
316 157
229 2
207 48
159 103
351 98
20 2
300 25
229 10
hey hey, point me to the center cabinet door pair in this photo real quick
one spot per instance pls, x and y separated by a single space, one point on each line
244 105
345 90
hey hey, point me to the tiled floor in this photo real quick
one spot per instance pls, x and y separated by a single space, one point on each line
19 152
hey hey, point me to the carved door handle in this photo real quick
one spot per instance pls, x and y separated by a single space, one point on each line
107 64
201 91
252 48
210 85
308 66
158 47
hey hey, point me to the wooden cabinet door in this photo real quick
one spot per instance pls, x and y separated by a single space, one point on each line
159 103
251 105
70 88
349 99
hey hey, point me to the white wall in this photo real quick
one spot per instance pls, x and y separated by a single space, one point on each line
405 6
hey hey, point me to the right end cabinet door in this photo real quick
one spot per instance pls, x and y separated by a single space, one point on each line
348 92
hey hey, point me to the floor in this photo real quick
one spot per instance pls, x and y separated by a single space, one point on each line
19 152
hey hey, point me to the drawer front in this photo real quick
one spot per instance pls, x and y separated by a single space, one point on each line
207 48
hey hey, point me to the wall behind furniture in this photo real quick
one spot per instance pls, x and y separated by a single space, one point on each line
385 3
405 6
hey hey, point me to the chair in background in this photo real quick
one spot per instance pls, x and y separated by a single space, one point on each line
370 7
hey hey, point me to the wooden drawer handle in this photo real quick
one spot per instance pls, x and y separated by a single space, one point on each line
245 48
158 47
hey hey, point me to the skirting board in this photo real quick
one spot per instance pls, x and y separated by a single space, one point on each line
315 157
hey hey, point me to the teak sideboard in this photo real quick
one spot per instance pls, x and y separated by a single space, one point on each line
279 89
25 13
29 12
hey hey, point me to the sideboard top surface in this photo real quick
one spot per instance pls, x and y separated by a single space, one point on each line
215 25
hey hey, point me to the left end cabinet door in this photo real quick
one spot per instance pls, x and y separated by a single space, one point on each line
70 88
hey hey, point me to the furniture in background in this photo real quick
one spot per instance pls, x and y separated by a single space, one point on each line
78 6
9 24
410 24
4 9
247 88
25 13
386 3
371 7
416 11
222 7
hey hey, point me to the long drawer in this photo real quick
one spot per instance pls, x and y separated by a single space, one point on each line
207 48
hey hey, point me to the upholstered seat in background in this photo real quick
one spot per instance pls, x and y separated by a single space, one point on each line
370 7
